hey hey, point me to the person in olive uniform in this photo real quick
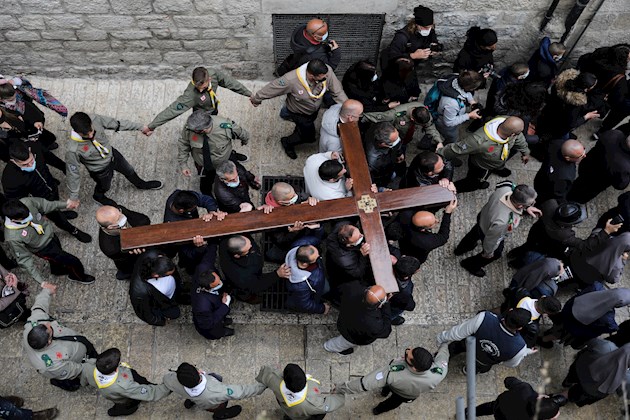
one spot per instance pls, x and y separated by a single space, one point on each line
199 94
119 383
28 233
206 391
55 351
405 378
91 147
298 394
209 141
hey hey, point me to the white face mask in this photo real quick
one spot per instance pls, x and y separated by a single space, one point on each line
292 200
122 222
523 76
10 103
233 184
395 143
215 288
324 37
357 243
557 58
375 77
425 32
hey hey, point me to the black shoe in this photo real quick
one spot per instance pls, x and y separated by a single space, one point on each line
227 321
289 150
484 185
16 401
10 264
81 236
53 146
65 385
376 411
151 185
347 351
567 384
70 214
121 275
560 400
385 391
48 414
228 332
105 201
240 157
86 280
459 251
475 271
504 172
228 412
189 404
544 344
117 410
399 320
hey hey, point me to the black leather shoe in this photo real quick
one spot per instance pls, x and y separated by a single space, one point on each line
240 157
81 236
399 320
504 172
289 150
151 185
475 271
189 404
48 414
228 332
86 280
121 275
16 401
347 351
560 400
227 321
228 413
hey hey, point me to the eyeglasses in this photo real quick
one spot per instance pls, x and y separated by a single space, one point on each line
380 302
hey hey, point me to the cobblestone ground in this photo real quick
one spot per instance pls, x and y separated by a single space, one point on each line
445 293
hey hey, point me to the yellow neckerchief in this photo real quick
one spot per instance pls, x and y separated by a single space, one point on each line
302 79
213 96
10 224
300 396
110 382
102 150
504 142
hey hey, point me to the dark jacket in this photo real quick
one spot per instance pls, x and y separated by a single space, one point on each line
555 176
517 403
208 309
472 57
230 199
245 274
305 51
415 178
399 88
306 296
38 183
405 43
358 322
497 88
205 201
542 66
419 243
345 264
604 325
147 301
608 160
358 85
381 161
110 244
605 64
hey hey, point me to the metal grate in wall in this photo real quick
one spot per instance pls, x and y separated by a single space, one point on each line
359 36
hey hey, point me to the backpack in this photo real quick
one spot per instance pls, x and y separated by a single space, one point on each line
432 100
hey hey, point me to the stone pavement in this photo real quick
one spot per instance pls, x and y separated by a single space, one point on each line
445 293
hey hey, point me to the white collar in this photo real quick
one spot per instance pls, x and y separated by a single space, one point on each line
293 398
102 380
492 128
197 390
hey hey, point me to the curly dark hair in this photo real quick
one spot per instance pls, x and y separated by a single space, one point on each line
525 99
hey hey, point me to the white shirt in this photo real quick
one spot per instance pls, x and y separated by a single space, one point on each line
166 285
317 187
529 304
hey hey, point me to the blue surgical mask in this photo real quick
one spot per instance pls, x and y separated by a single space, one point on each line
25 221
29 168
293 200
324 37
233 184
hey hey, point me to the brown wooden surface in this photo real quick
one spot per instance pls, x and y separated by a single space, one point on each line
413 197
254 221
354 154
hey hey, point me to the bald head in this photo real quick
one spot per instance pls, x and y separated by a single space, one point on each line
375 295
107 215
511 126
316 28
423 219
281 191
351 110
572 149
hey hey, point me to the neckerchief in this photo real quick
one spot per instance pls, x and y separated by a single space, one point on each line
102 380
293 398
197 390
301 74
102 150
490 128
213 96
9 224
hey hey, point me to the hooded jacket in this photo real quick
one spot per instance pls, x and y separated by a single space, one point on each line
452 106
245 273
305 287
359 322
305 51
542 66
472 57
329 140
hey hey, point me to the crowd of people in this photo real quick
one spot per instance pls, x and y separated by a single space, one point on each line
532 108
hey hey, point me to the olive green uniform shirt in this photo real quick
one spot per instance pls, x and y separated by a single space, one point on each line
219 141
215 392
192 98
24 242
60 359
86 153
400 117
400 378
123 388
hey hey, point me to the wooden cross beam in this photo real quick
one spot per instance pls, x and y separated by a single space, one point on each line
366 204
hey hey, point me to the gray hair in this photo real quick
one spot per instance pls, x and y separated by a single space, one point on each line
523 195
226 167
382 132
199 120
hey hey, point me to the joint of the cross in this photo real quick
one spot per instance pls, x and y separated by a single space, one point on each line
367 203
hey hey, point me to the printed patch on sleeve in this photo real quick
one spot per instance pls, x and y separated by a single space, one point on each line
379 376
47 360
143 390
230 391
179 106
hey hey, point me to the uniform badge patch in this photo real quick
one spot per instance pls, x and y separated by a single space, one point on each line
203 97
47 360
396 368
230 391
24 233
300 91
59 355
125 376
86 148
402 122
379 376
179 106
194 137
491 149
73 168
281 82
225 125
437 370
316 390
64 373
143 390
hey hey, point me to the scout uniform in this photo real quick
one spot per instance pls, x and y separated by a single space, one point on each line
192 98
219 141
95 154
214 393
60 359
400 117
403 381
28 238
299 405
120 387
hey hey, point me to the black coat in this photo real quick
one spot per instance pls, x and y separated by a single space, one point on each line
146 300
405 43
419 243
345 264
110 244
415 178
358 85
245 274
208 309
397 88
517 403
555 176
472 57
358 322
229 199
38 183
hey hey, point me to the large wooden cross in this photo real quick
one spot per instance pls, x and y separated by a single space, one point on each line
364 203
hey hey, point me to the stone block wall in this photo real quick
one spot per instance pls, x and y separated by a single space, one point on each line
167 38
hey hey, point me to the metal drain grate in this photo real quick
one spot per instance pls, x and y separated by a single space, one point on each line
358 36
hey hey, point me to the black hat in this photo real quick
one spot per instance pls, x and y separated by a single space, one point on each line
294 377
188 375
569 214
486 37
423 16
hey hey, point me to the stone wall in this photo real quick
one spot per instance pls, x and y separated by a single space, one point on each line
164 38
